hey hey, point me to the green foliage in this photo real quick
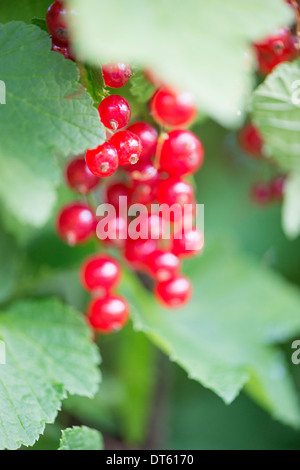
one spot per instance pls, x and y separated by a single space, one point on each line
276 111
47 115
25 10
291 208
140 88
196 44
48 354
81 438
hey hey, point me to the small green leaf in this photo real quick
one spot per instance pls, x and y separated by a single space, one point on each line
81 438
41 23
48 354
291 206
141 88
276 111
198 45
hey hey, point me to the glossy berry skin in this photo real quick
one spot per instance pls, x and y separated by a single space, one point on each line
175 292
261 193
129 147
102 161
187 243
56 20
100 273
251 141
175 191
181 154
115 191
144 179
79 178
278 48
62 49
113 231
76 223
137 252
163 265
116 75
108 314
114 112
148 135
172 109
277 186
152 226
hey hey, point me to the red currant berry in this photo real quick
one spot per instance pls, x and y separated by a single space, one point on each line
277 187
108 314
115 191
261 194
175 191
100 272
181 154
114 112
187 243
62 49
175 292
150 225
102 161
138 251
56 20
129 147
278 48
116 75
79 178
113 230
148 135
163 265
75 223
172 109
144 179
250 140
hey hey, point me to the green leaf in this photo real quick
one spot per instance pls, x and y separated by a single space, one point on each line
291 206
48 354
41 23
141 88
276 111
47 115
10 265
199 45
225 337
81 438
25 10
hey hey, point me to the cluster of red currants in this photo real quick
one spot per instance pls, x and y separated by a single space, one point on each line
148 169
282 46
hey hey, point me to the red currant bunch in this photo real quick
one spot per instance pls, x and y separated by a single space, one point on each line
147 168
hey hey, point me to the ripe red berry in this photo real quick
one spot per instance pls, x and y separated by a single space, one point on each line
108 314
277 187
114 112
116 75
115 191
113 230
175 191
175 292
278 48
148 135
250 140
150 225
61 49
56 20
100 273
102 161
129 147
163 265
261 193
138 251
79 178
187 243
181 154
75 223
144 179
172 109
